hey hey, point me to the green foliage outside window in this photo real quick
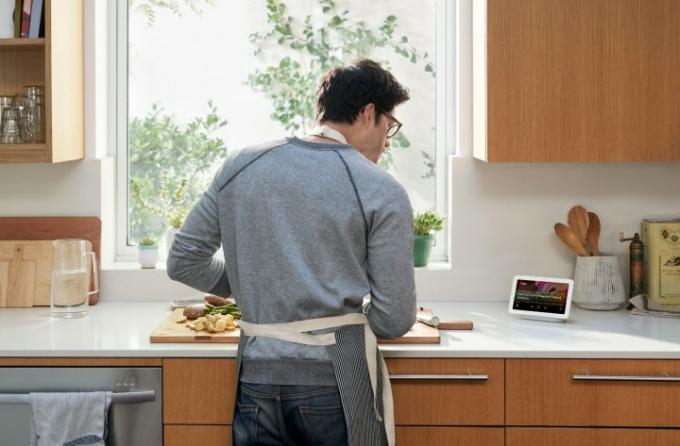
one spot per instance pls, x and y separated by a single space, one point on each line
169 163
291 83
169 167
148 8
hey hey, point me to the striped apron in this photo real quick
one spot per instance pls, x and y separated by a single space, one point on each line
360 370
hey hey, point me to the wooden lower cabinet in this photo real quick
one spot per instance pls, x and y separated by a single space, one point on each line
184 435
198 391
449 436
519 436
469 392
592 392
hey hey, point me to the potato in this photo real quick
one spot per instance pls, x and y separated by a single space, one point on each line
209 327
216 301
199 325
181 319
194 311
211 318
221 325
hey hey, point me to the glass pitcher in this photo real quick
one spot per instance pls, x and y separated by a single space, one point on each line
71 278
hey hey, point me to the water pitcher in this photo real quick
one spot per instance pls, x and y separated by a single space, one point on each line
71 278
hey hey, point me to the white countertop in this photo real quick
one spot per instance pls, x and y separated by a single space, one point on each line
122 329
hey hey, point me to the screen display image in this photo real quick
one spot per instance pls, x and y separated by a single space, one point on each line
540 296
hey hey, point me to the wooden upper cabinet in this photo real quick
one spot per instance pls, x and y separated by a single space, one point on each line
56 63
577 80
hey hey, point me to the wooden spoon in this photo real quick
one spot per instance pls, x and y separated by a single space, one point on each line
594 232
578 223
570 239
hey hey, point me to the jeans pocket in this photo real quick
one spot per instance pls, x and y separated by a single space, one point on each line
324 425
245 424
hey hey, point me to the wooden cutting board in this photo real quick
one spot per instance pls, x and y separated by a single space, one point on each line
169 331
52 228
26 272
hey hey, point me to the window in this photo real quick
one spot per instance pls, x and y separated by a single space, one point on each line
197 79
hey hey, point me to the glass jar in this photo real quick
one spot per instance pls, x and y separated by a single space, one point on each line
35 100
5 101
10 132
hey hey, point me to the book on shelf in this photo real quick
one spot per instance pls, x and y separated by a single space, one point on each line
36 19
25 18
17 18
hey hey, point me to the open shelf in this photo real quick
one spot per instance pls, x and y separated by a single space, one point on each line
23 153
22 43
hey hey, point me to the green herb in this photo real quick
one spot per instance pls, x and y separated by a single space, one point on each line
427 222
147 241
232 309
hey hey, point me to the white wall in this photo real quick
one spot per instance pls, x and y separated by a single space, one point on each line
502 214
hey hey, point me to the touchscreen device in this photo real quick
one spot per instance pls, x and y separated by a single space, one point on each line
541 297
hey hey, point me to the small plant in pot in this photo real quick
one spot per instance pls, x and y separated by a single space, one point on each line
424 225
148 252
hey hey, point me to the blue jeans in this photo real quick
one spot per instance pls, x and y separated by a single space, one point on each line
289 415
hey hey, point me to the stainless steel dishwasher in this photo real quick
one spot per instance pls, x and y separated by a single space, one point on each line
136 416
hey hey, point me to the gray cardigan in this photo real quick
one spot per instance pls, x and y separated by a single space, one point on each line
308 229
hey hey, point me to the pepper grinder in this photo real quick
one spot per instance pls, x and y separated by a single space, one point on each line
636 251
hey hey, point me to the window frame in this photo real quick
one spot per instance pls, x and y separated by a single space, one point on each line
445 118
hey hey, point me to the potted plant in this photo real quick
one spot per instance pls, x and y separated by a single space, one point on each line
424 225
148 252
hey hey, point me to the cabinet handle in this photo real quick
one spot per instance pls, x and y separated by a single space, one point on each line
467 377
662 378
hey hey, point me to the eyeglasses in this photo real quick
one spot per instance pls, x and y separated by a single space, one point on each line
395 125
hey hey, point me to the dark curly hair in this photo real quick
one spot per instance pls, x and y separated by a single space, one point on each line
344 90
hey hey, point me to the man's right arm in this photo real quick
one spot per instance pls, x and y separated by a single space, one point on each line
392 310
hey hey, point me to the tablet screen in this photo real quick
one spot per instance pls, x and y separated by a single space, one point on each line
541 296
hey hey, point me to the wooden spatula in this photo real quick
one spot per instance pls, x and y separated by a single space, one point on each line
578 223
594 233
570 239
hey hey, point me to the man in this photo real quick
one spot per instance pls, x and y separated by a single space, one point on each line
309 227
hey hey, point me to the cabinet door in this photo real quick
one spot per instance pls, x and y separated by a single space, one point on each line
198 391
517 436
450 436
203 435
432 392
583 80
575 392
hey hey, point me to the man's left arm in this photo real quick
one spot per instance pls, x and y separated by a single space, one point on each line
191 259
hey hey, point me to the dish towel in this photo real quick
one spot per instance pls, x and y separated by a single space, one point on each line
69 418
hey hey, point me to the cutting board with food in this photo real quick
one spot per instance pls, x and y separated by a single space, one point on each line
198 324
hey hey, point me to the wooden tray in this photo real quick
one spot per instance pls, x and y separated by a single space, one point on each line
169 331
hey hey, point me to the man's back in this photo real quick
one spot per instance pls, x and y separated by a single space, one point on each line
308 229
